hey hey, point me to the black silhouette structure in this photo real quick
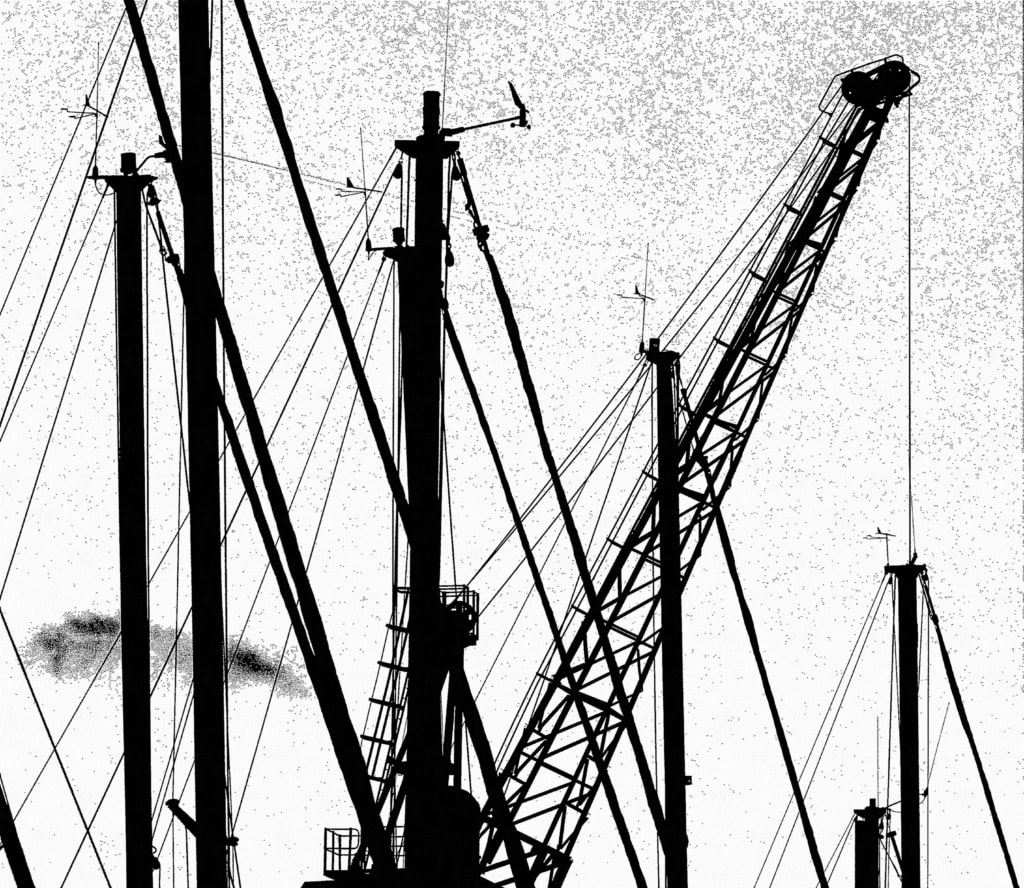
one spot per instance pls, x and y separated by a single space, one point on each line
867 837
536 802
196 186
10 841
131 469
546 773
666 366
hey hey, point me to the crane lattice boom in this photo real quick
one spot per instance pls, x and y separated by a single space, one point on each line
549 775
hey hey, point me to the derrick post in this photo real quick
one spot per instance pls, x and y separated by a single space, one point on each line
420 318
867 833
907 579
131 482
203 428
675 847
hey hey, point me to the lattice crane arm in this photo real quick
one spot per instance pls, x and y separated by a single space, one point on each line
549 774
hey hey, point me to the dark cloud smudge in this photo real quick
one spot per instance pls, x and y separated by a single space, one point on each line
75 649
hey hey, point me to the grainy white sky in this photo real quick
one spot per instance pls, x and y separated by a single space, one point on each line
653 123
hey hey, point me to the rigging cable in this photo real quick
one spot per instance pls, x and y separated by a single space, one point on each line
748 622
445 468
67 724
316 241
67 230
53 425
739 227
807 182
316 534
935 752
274 362
852 661
263 723
911 544
549 613
444 76
308 560
570 458
837 852
322 180
49 323
574 501
53 746
958 701
604 451
309 456
579 556
78 121
182 470
247 479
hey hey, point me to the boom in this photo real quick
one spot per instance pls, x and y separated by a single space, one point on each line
549 775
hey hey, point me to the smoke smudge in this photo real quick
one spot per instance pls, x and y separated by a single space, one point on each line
77 647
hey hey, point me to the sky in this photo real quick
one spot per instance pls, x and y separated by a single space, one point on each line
654 125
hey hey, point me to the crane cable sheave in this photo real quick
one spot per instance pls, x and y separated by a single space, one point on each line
889 81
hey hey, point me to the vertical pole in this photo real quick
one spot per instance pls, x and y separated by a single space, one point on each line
910 782
12 844
866 836
204 492
131 479
675 848
420 294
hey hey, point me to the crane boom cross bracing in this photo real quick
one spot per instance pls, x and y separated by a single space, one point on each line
548 774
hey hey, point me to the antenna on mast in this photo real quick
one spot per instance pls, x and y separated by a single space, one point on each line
643 298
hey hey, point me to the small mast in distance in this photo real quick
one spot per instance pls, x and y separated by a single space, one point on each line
867 833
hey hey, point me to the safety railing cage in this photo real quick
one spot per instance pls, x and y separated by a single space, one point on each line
342 845
460 601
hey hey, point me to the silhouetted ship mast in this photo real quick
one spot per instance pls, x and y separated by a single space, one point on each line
418 824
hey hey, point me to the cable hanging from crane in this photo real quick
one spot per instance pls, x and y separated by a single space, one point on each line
911 542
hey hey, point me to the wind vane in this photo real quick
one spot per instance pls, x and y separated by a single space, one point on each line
643 299
880 534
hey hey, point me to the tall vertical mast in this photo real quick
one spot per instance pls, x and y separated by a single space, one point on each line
204 489
907 578
675 848
131 479
420 281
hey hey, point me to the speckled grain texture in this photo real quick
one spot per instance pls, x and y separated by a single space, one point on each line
655 123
